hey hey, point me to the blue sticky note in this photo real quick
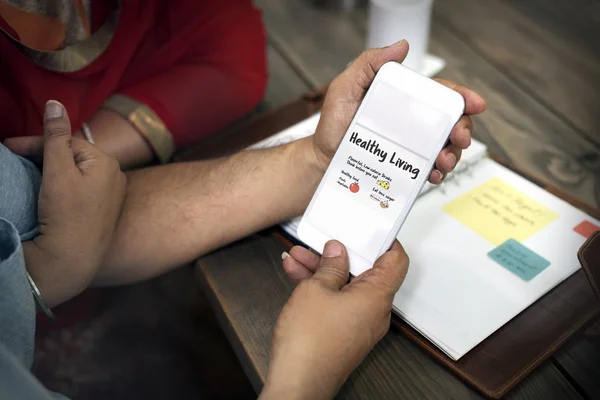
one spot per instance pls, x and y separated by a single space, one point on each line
518 259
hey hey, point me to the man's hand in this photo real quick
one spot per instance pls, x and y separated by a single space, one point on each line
80 200
347 91
328 325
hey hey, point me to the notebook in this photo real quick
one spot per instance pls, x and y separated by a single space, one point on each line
483 247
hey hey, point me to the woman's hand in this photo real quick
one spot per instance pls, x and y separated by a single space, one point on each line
329 325
348 89
80 201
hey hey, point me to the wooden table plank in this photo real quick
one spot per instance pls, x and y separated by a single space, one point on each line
516 126
397 368
284 84
546 382
580 359
576 21
319 42
560 72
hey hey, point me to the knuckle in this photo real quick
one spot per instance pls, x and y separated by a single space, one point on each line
56 130
369 54
334 270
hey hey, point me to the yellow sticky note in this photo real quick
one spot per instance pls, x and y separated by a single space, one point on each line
498 212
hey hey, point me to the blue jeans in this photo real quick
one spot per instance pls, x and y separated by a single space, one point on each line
20 183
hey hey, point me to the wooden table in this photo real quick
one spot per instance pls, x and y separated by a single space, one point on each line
536 63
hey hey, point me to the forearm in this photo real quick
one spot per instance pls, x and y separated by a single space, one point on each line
118 138
175 213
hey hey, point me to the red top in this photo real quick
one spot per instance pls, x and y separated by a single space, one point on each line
197 65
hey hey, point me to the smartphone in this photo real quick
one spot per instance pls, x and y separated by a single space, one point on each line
381 164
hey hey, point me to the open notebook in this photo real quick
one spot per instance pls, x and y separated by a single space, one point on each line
483 247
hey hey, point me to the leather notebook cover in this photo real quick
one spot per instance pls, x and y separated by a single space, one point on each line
589 257
507 356
502 360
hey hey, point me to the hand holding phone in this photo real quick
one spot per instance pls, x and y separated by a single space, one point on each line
381 165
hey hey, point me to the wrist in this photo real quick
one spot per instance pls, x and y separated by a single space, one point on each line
54 274
292 388
294 377
308 159
320 159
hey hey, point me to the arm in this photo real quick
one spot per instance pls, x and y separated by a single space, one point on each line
215 75
119 138
175 213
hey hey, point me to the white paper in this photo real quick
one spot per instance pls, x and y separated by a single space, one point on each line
454 293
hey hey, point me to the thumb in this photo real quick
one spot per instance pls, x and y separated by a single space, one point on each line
388 272
360 73
58 155
334 269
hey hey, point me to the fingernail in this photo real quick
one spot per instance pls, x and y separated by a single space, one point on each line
284 255
399 43
332 249
439 174
452 159
53 110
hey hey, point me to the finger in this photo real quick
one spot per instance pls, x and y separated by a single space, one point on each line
474 103
26 146
461 133
436 177
295 271
306 257
387 273
333 269
447 159
84 153
361 72
392 268
58 155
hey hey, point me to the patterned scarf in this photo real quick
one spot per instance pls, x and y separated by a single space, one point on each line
48 24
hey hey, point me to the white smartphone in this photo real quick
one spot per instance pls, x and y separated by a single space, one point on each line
381 165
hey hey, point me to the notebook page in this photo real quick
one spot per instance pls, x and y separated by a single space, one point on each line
308 126
454 293
297 131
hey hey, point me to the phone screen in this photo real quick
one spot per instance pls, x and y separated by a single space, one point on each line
381 161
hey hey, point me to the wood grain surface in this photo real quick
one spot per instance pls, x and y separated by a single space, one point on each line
546 56
516 126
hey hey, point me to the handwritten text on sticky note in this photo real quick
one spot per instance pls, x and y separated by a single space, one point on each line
518 259
498 212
